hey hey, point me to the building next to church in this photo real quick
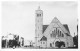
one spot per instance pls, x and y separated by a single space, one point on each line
54 35
12 40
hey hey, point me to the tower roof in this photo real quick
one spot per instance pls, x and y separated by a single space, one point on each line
39 8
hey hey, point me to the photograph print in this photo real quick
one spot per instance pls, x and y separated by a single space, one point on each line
39 25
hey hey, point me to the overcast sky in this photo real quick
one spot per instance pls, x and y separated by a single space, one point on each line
19 17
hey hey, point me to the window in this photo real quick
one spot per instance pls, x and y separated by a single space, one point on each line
62 35
51 35
38 15
56 30
58 33
67 43
54 34
43 42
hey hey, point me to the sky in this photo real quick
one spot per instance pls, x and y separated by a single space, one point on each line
19 17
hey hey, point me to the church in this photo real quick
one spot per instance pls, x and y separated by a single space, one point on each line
54 35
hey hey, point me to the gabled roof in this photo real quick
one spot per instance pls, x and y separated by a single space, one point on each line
66 27
43 38
47 28
44 27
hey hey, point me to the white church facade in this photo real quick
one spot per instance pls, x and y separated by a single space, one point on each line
53 34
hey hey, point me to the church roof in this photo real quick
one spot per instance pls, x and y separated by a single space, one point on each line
65 25
43 38
44 27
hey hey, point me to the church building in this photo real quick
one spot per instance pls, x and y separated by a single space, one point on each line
53 35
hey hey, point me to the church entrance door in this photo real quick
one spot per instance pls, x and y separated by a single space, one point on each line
59 44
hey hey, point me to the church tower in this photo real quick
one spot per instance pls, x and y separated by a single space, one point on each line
38 25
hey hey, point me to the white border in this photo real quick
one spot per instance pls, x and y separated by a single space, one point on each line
40 49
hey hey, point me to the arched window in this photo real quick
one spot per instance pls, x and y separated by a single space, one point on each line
51 35
43 42
67 43
38 15
60 33
56 30
54 33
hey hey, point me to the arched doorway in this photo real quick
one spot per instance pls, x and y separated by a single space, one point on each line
60 44
57 44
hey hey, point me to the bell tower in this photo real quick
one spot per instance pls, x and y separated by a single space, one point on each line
38 25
